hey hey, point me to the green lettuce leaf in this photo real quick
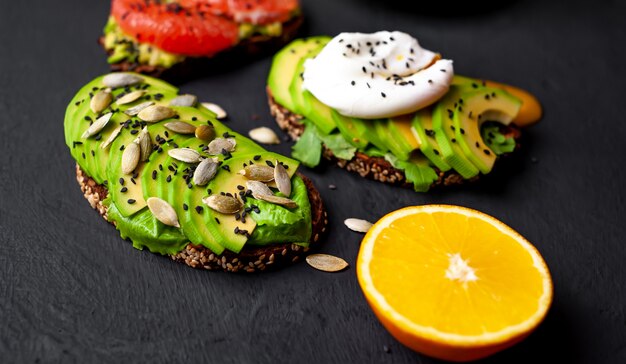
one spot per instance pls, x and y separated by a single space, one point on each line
496 141
308 149
417 171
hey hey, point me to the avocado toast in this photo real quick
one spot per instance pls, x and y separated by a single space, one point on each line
458 133
173 179
177 38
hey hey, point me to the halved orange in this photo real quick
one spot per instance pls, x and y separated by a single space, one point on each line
451 282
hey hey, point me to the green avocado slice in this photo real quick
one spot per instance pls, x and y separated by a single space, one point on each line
230 231
422 128
284 67
445 135
475 107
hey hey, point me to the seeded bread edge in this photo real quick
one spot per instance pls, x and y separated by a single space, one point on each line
376 168
193 67
250 259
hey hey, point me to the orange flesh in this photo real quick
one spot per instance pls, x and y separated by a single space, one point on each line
504 291
531 110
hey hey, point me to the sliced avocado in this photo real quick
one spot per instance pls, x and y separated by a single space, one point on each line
174 187
295 86
399 128
382 128
319 113
445 135
371 134
284 67
475 107
157 166
354 130
79 116
228 180
422 128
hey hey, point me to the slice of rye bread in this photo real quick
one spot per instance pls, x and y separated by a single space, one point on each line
250 259
376 168
193 67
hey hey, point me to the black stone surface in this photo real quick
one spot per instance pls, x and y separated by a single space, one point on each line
72 291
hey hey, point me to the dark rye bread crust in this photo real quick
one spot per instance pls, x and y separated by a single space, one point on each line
376 168
193 67
250 259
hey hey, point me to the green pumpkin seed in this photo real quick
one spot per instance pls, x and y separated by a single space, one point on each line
121 79
220 145
186 155
180 127
205 132
277 200
97 126
114 134
100 101
154 113
130 97
205 172
184 100
264 135
130 158
163 211
137 109
326 263
258 189
283 181
257 172
223 204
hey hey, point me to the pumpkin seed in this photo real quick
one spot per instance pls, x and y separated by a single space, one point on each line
258 172
145 144
205 172
180 127
111 137
184 100
205 132
358 225
154 113
326 262
277 200
137 109
130 97
264 135
186 155
283 181
163 211
219 145
258 189
223 204
97 126
215 108
121 79
130 158
100 101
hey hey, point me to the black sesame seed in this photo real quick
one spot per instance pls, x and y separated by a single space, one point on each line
123 189
135 131
436 151
154 174
169 178
199 209
364 69
269 163
185 207
131 201
217 220
453 140
477 145
487 151
383 94
226 168
83 154
352 83
462 131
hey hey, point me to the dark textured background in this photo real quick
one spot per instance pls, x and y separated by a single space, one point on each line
72 291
